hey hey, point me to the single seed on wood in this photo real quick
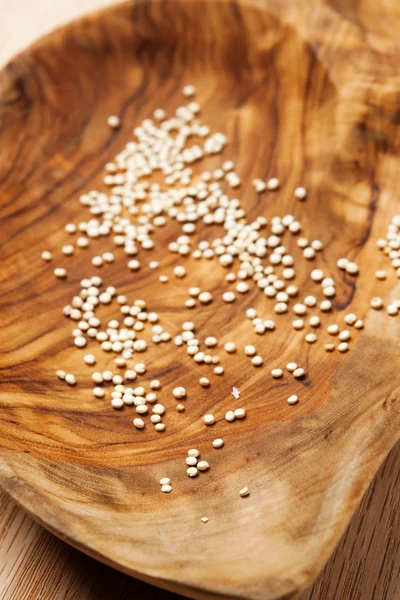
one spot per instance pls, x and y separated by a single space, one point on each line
189 91
359 324
257 361
230 416
192 471
89 359
180 407
166 489
250 350
314 321
300 193
281 308
191 461
342 263
317 275
158 409
159 427
293 399
329 291
244 492
209 419
204 382
113 121
352 268
138 423
309 253
276 373
333 329
311 338
291 367
61 374
239 413
179 392
117 403
218 443
350 319
60 273
392 310
203 465
179 271
229 297
46 255
310 301
273 183
230 347
193 452
300 309
299 372
381 274
98 392
325 305
317 245
70 379
298 324
205 297
242 287
80 341
344 335
329 347
219 370
376 303
343 347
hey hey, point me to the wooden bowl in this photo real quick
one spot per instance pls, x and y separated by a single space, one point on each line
301 95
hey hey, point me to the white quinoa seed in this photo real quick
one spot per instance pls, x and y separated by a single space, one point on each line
244 492
70 379
239 413
230 416
218 443
300 193
60 273
299 372
311 338
230 347
257 361
209 419
276 373
329 347
376 303
293 399
203 465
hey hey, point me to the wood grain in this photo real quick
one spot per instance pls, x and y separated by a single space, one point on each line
365 566
47 457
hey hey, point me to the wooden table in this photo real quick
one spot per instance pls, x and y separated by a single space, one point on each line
35 565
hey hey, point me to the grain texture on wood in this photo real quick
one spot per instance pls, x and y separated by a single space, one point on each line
326 121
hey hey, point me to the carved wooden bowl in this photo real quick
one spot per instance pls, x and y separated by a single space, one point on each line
301 95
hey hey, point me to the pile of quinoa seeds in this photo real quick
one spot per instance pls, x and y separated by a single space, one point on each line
128 212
